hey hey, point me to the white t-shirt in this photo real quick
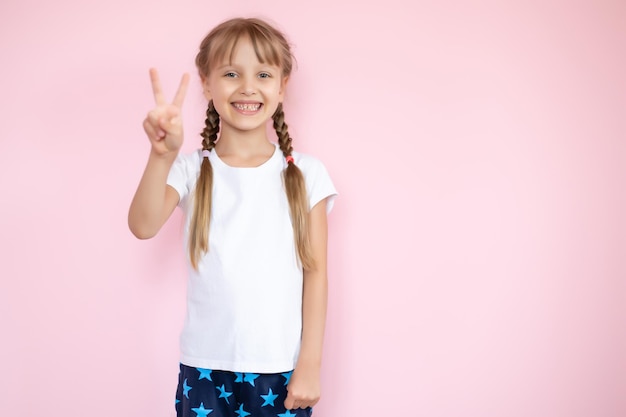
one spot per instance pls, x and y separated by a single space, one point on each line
244 303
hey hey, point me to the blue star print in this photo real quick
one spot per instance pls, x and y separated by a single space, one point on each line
223 393
204 373
201 411
269 398
241 412
286 414
250 378
186 388
239 376
287 376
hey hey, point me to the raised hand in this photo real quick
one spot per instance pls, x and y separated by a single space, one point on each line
164 124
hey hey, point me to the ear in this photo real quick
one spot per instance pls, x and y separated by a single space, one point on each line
205 88
283 87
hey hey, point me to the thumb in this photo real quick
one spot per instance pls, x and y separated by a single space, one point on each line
289 401
169 119
170 125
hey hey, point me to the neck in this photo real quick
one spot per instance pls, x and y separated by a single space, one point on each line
243 147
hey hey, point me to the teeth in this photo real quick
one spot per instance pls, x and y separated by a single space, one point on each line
248 107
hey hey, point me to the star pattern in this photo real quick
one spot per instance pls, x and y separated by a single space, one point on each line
186 388
223 393
226 385
269 398
201 411
250 378
241 412
204 373
287 376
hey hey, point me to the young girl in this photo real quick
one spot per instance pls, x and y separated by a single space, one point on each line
256 232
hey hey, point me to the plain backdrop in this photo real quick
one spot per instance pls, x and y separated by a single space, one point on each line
477 249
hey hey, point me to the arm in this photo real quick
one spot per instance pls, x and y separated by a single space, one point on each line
154 200
304 386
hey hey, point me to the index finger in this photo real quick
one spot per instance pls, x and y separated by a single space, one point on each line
159 98
182 90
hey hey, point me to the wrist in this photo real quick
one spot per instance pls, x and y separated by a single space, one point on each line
167 157
309 363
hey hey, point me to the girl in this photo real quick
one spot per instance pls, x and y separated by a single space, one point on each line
256 231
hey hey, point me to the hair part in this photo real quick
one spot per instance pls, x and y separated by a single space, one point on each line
270 46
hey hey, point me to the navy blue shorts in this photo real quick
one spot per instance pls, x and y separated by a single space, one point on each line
204 392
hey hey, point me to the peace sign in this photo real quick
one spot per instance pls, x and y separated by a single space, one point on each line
163 124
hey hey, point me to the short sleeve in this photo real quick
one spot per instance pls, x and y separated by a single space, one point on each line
181 174
318 182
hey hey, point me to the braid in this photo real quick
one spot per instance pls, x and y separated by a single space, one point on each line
199 224
295 188
211 129
284 140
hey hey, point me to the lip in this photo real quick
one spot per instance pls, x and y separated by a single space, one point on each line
246 106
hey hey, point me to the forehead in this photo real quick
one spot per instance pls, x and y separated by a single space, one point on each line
245 49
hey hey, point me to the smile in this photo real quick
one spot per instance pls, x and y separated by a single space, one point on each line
247 106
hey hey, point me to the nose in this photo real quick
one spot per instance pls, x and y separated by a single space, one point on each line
248 87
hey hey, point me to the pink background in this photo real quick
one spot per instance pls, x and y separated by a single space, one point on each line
477 252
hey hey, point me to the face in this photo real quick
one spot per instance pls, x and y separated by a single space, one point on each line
245 92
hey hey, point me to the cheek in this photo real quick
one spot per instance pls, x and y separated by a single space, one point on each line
219 95
275 91
220 106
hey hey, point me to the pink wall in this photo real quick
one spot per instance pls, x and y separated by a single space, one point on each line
477 249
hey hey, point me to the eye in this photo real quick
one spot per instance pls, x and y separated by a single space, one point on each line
265 75
230 74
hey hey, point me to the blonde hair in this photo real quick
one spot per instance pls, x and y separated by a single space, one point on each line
270 46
